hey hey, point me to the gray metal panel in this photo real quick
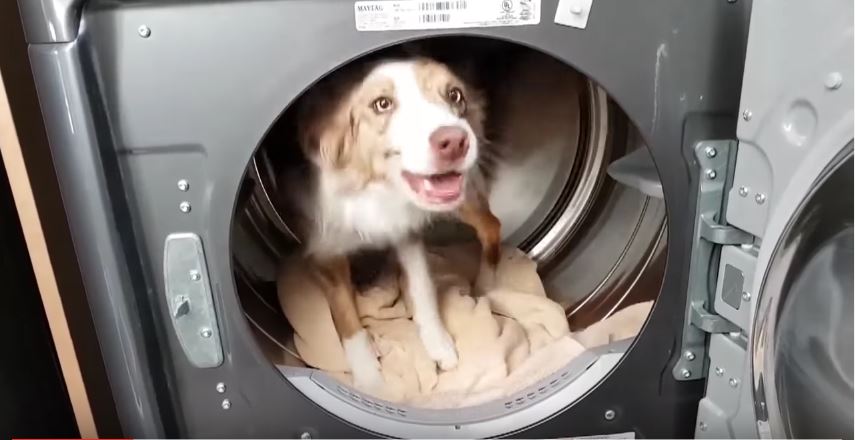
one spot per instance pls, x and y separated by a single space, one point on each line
795 114
727 409
51 21
97 239
193 99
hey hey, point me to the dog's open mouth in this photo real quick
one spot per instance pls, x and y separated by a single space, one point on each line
437 189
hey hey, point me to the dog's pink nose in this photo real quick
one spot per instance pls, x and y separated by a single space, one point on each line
449 144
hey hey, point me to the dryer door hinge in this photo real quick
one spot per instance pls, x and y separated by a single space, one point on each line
721 234
714 162
710 322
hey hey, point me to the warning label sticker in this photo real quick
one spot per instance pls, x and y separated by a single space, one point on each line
396 15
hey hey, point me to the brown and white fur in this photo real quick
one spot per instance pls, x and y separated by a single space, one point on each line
394 145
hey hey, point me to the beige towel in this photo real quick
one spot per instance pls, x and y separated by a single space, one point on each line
506 340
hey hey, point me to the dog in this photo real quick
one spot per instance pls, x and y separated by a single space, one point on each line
392 146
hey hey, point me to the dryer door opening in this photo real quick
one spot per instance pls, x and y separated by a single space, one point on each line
599 245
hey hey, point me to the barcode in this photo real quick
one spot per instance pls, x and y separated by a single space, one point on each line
435 18
442 6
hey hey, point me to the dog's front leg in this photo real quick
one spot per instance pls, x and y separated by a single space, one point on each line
358 348
476 213
422 295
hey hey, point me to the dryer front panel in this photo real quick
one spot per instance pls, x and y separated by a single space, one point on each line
175 98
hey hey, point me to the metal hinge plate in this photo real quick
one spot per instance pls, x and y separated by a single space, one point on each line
188 296
715 161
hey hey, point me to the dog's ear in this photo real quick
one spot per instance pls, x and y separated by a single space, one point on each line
326 130
335 139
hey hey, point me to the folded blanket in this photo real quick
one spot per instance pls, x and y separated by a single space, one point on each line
507 338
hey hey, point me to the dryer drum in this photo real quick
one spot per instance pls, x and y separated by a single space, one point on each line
599 245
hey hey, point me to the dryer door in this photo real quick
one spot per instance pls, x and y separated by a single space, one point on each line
788 372
802 339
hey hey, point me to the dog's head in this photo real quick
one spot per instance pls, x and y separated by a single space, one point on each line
410 124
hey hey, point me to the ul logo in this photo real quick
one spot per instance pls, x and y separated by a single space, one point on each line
507 5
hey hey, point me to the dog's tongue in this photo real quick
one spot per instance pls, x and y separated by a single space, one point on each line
443 184
438 188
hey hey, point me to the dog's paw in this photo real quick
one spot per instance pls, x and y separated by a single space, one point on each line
361 355
439 346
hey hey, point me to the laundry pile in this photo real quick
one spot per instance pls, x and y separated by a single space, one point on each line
507 338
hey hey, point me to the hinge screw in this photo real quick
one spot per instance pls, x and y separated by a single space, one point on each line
689 356
183 185
833 81
711 174
184 207
719 371
702 426
743 191
710 152
206 332
144 31
747 115
609 414
746 296
760 198
226 404
734 382
221 388
685 373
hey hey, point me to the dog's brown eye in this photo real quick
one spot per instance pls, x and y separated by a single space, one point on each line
455 95
382 104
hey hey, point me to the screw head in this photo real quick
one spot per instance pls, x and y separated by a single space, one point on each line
719 371
760 198
702 426
195 275
743 191
689 356
734 382
206 332
685 373
305 436
221 388
183 185
710 152
747 115
184 207
609 414
144 31
711 174
833 81
746 296
226 404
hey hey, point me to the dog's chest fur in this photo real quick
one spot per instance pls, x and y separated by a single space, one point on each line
375 217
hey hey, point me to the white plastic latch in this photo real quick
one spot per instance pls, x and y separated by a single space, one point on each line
573 13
